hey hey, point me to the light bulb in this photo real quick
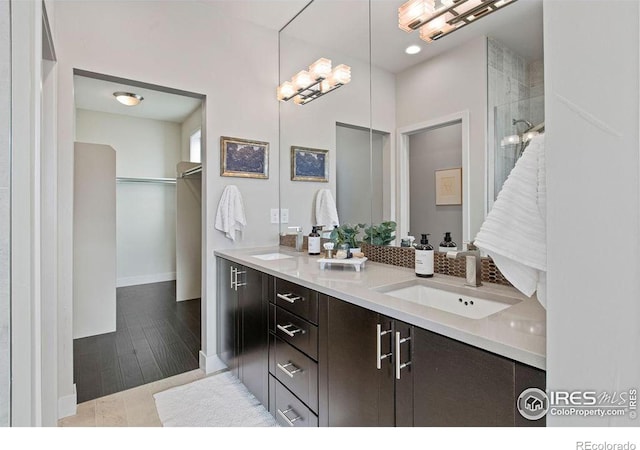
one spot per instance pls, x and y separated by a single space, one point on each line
285 91
341 74
302 80
320 69
436 23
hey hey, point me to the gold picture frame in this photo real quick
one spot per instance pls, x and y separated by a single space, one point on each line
309 164
244 158
449 186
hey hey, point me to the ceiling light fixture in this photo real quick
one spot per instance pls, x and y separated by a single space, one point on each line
128 98
412 50
448 16
320 79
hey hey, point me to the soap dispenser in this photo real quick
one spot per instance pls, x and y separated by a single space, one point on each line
313 242
447 245
424 258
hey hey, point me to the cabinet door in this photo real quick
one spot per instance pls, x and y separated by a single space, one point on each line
455 384
254 344
358 392
227 310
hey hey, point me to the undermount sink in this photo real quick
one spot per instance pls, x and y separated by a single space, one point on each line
271 256
472 307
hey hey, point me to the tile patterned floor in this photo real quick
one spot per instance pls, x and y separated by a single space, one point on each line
131 408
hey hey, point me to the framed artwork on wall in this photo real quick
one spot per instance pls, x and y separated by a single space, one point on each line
449 186
309 164
243 158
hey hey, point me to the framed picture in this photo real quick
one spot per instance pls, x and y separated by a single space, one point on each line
449 186
243 158
309 164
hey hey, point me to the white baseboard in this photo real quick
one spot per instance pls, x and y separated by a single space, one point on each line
145 279
211 363
67 405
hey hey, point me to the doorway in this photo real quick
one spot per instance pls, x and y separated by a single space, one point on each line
137 288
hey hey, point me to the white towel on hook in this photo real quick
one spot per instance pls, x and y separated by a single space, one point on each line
514 233
230 215
326 212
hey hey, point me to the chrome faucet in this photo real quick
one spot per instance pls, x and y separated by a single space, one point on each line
473 268
299 238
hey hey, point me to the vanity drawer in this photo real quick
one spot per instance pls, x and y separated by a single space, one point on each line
297 299
295 370
294 330
288 410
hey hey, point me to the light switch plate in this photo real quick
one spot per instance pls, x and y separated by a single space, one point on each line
284 215
275 218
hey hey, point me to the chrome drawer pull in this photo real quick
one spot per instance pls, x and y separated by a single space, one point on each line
283 414
292 333
291 373
288 297
400 366
380 357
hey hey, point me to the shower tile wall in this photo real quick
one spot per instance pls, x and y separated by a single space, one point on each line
515 91
5 132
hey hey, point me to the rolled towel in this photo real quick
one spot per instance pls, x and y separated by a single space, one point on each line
230 215
326 212
514 233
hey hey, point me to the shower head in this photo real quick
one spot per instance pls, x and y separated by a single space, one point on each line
517 121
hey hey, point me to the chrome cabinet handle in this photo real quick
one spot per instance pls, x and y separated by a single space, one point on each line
231 273
285 329
283 414
379 356
239 273
400 366
291 373
288 298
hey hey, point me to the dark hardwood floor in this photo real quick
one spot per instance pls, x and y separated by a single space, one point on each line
156 337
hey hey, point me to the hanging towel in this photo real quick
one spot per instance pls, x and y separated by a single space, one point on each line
514 233
326 212
230 215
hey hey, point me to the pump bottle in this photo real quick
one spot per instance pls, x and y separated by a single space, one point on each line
424 258
313 242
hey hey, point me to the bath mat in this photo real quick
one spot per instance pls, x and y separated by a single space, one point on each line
217 401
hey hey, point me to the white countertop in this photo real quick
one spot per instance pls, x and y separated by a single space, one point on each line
518 332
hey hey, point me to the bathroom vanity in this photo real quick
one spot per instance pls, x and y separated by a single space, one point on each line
337 347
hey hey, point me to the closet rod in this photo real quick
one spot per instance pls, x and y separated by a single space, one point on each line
191 171
146 180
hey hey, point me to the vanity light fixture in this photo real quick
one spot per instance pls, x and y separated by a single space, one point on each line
320 79
128 98
438 18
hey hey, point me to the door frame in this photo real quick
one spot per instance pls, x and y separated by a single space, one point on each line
403 200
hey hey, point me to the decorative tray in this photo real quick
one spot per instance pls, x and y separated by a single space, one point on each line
355 262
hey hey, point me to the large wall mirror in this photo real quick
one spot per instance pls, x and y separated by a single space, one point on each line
388 136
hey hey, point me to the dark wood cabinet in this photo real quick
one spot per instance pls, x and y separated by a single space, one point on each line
384 372
243 295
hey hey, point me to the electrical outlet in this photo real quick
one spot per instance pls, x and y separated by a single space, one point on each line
284 215
275 217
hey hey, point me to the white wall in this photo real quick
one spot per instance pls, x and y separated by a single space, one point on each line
146 213
94 239
188 235
449 83
432 150
5 195
232 62
593 173
190 125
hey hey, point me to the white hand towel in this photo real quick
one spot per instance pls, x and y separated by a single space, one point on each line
514 233
326 212
230 215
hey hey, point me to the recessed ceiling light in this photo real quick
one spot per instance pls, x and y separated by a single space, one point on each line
412 49
127 98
